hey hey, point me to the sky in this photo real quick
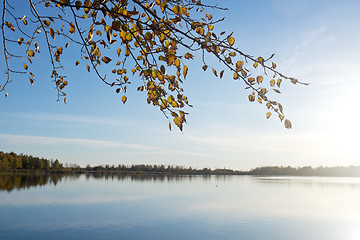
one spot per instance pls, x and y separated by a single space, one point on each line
317 42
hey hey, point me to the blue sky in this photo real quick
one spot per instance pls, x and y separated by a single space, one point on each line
315 41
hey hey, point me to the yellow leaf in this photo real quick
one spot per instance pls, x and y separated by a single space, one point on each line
9 25
185 71
263 91
178 122
169 126
182 114
255 64
288 124
163 6
278 82
175 9
71 30
280 107
236 76
123 35
272 82
31 53
214 71
52 33
239 64
273 65
88 67
128 37
293 80
268 114
189 56
177 63
251 80
201 31
162 69
260 60
91 33
46 22
251 98
231 40
25 66
124 98
108 30
174 104
170 59
222 74
106 59
20 40
154 73
259 79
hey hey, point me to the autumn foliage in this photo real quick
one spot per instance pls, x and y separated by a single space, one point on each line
147 43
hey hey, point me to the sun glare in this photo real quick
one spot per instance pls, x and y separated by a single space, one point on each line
341 120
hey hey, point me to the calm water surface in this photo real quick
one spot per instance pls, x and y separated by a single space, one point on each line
187 207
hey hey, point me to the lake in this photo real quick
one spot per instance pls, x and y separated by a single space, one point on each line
179 207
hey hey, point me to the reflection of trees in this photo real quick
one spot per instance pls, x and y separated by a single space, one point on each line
28 179
10 182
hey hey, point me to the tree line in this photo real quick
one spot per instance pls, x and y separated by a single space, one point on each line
12 162
340 171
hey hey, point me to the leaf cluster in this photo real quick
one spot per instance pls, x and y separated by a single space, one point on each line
154 41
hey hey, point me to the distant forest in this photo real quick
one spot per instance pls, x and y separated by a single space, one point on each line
14 163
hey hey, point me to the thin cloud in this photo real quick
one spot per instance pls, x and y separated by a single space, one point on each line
92 144
89 143
56 117
304 40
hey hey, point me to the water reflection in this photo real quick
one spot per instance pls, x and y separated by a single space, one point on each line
10 182
113 206
353 182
